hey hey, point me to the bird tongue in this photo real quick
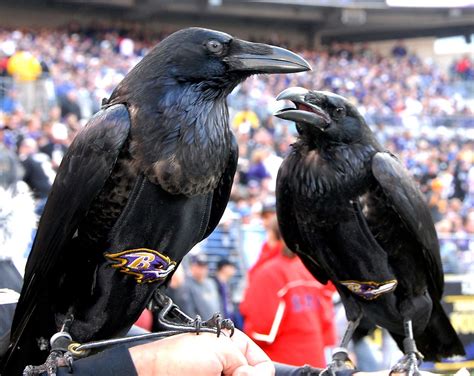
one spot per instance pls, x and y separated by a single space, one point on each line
303 107
322 114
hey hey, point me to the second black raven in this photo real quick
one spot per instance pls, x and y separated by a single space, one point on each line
353 214
146 179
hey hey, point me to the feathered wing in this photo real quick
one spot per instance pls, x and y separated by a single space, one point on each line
81 176
408 201
289 226
222 192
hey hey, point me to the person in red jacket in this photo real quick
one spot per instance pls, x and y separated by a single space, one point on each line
273 244
287 312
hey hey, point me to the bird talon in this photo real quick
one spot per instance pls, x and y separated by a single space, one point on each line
53 362
215 322
218 323
197 324
229 325
407 365
340 361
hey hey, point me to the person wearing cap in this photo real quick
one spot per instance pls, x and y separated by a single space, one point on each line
200 289
273 244
225 271
25 69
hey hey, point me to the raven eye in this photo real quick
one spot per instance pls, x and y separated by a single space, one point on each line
214 46
340 111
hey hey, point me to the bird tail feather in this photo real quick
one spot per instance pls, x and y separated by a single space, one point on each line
439 340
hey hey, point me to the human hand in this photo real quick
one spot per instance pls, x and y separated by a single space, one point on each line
202 355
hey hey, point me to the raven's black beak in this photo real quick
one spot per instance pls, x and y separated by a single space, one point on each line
254 58
305 112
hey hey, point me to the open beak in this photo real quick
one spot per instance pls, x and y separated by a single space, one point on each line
304 112
257 58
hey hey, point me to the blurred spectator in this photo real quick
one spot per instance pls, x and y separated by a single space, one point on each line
25 69
17 217
257 171
200 289
12 126
225 271
39 173
6 139
126 47
273 244
460 187
399 49
56 142
469 224
3 63
23 66
8 99
436 203
73 126
33 127
287 312
11 171
245 121
69 104
448 248
464 69
176 291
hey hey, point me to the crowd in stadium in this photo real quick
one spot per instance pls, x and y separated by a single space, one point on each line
52 81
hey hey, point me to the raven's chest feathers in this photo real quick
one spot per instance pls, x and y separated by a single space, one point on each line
331 175
182 143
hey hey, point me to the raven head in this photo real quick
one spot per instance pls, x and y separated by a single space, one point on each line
212 58
323 115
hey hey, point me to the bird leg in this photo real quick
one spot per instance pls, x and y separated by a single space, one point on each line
180 321
340 356
59 355
408 364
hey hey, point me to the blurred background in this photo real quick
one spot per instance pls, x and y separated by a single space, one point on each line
407 65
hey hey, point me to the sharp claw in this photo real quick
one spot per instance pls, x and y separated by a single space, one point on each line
218 326
53 362
340 361
229 325
197 324
408 365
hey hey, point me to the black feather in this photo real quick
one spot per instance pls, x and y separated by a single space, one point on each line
364 220
148 178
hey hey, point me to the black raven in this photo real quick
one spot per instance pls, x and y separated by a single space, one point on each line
354 215
147 178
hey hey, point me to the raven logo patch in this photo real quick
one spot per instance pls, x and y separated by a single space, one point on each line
370 290
145 264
